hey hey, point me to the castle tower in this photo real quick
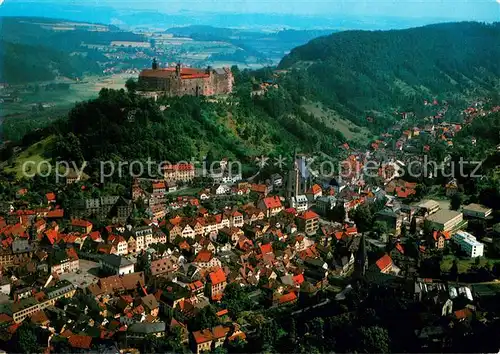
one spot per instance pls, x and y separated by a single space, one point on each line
178 70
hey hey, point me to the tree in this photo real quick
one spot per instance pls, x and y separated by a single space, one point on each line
337 214
206 318
413 226
131 85
456 201
25 339
373 339
380 227
454 271
362 216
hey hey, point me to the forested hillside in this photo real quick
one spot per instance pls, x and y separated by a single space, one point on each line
32 50
238 127
362 73
26 63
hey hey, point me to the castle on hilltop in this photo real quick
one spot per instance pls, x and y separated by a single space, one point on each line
180 81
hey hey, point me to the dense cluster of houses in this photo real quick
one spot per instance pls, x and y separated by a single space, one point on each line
157 271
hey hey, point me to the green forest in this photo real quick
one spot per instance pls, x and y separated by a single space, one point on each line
370 73
238 127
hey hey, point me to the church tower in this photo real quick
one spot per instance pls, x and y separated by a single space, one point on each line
361 262
293 179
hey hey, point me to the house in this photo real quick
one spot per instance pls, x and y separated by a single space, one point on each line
163 266
221 189
451 188
82 226
80 342
170 186
141 330
116 264
208 340
233 234
287 299
150 305
65 261
159 188
183 172
300 203
206 259
314 192
121 246
236 219
440 237
216 283
308 222
384 264
325 204
270 206
260 189
51 198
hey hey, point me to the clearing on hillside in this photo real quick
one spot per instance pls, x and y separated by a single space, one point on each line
33 154
331 118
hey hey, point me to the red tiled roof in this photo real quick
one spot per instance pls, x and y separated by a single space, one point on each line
445 234
272 202
160 185
287 298
219 331
259 188
222 312
58 213
384 262
50 197
291 211
309 214
298 279
203 256
315 189
4 318
202 336
81 223
267 248
217 277
461 314
180 167
51 236
80 341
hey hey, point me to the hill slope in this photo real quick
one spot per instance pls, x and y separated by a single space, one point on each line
40 49
362 72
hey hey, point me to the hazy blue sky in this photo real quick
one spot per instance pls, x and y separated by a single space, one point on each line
487 10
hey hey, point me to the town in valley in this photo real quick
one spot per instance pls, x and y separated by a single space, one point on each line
306 202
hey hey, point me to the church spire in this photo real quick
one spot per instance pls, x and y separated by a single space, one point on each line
361 258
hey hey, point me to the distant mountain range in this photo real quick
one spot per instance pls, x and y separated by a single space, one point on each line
144 18
268 47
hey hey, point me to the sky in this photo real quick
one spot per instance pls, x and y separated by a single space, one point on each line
480 10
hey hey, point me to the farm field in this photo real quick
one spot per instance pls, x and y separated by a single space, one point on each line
84 90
